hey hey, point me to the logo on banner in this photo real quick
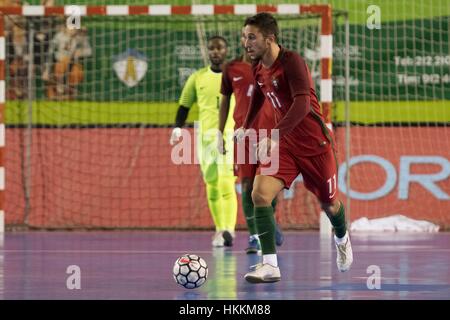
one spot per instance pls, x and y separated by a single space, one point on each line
130 67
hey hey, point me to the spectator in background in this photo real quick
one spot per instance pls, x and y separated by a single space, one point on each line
44 28
64 70
17 52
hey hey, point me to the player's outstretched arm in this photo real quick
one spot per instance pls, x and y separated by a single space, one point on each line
224 109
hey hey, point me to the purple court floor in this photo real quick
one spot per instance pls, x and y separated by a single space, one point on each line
138 265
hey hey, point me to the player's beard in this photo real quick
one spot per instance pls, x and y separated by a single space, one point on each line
261 55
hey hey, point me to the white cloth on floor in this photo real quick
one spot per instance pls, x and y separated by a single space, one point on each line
393 223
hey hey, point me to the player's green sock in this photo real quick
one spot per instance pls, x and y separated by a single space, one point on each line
215 204
265 225
249 212
229 202
338 222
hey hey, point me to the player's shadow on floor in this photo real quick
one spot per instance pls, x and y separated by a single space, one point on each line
189 295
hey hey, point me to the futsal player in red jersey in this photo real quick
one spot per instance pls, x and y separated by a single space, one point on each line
237 78
305 145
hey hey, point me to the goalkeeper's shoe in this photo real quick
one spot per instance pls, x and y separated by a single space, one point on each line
279 237
253 245
228 238
263 273
344 257
218 240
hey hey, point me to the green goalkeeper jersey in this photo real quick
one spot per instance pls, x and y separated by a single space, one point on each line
203 87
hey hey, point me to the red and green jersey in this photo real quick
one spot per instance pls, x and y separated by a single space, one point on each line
281 84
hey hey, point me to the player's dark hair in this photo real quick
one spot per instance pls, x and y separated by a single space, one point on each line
265 22
218 38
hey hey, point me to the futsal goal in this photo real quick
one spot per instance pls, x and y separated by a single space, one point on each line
88 95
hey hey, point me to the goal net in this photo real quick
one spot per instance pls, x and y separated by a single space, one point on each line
89 114
399 115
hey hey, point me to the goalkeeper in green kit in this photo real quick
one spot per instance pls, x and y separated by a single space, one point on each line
203 87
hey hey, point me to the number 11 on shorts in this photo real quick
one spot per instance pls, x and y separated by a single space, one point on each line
332 186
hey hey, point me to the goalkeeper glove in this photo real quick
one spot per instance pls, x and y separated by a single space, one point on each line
175 137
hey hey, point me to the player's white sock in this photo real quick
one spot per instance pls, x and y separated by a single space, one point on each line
270 259
341 240
255 236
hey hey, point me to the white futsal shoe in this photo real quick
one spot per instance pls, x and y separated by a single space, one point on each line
263 273
218 240
344 257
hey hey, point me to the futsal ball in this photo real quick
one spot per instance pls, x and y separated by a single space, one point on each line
190 271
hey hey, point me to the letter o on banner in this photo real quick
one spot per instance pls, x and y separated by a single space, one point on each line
391 177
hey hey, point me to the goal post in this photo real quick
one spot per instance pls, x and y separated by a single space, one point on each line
2 124
99 151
